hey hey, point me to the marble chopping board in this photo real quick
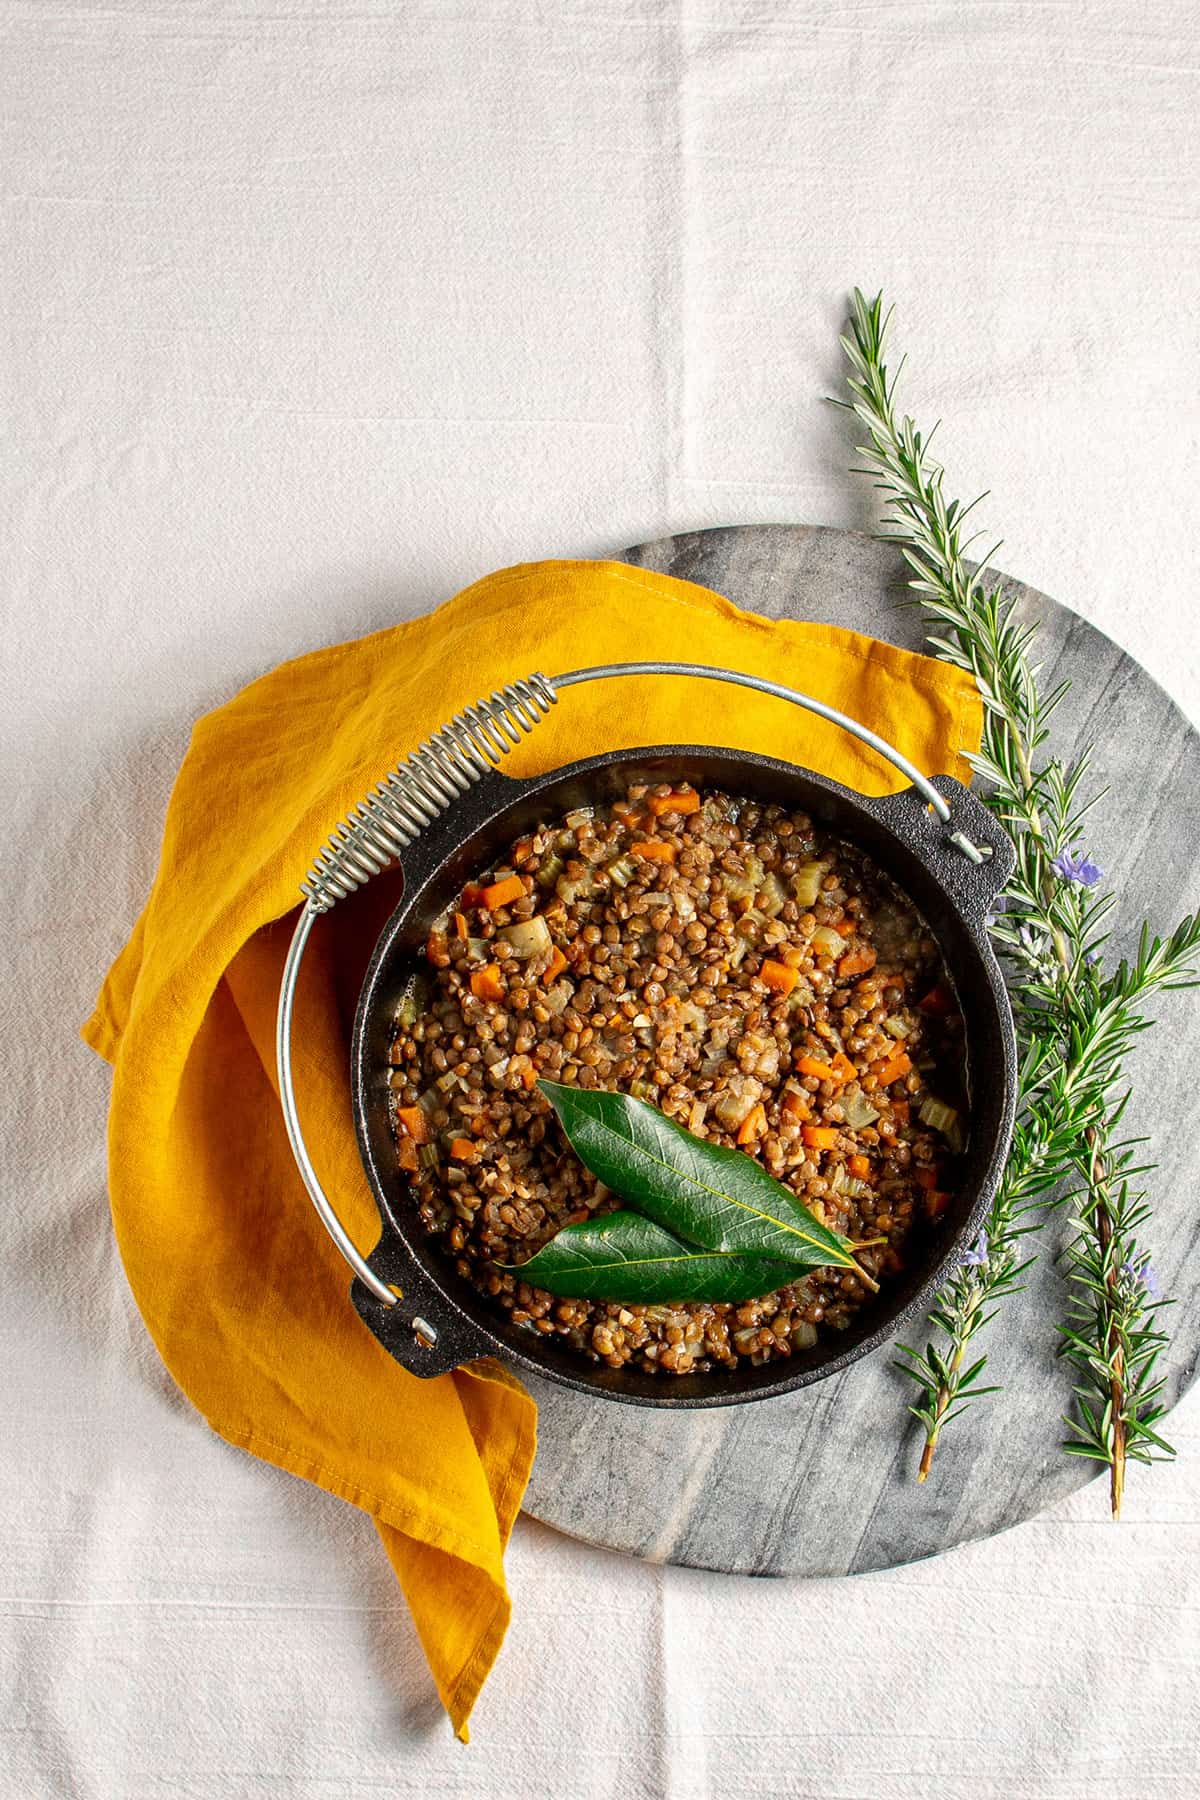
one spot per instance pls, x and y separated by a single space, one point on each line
821 1482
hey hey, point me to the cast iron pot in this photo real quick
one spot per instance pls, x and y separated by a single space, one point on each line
443 1321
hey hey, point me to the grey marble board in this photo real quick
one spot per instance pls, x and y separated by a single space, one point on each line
821 1482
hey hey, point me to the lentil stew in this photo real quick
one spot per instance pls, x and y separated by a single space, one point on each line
754 976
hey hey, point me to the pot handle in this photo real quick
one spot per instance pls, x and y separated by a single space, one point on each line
415 1327
974 885
427 783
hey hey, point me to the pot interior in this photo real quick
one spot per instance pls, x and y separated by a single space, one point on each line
482 825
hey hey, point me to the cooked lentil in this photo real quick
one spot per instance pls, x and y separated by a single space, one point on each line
760 981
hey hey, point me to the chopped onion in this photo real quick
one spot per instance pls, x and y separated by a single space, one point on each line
741 1094
568 891
529 937
739 888
897 1027
827 940
858 1110
578 817
773 896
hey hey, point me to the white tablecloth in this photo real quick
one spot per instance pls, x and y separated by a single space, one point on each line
314 312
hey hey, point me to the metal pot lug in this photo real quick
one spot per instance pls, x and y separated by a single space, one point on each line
945 845
417 1330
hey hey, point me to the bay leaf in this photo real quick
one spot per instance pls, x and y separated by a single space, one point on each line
626 1257
707 1194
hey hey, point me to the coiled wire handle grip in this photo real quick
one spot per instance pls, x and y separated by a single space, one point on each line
419 789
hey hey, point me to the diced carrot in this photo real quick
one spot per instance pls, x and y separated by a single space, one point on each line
406 1155
653 850
901 1111
778 977
463 1150
891 1068
939 1001
413 1123
795 1106
860 1167
936 1204
845 1069
529 1076
680 800
460 925
819 1137
555 966
846 927
486 983
753 1125
812 1065
502 893
926 1175
856 963
396 1052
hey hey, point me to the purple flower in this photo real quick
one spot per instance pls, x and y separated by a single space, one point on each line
1077 868
1093 957
1143 1273
977 1255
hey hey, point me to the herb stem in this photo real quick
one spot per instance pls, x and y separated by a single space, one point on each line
947 1389
1116 1355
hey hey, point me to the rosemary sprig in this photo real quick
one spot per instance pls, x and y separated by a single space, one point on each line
1074 1025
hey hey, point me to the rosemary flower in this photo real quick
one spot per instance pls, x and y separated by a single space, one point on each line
1141 1274
1076 868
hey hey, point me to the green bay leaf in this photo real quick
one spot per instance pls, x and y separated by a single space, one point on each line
716 1198
626 1257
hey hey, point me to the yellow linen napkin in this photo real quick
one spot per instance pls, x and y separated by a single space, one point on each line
244 1295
